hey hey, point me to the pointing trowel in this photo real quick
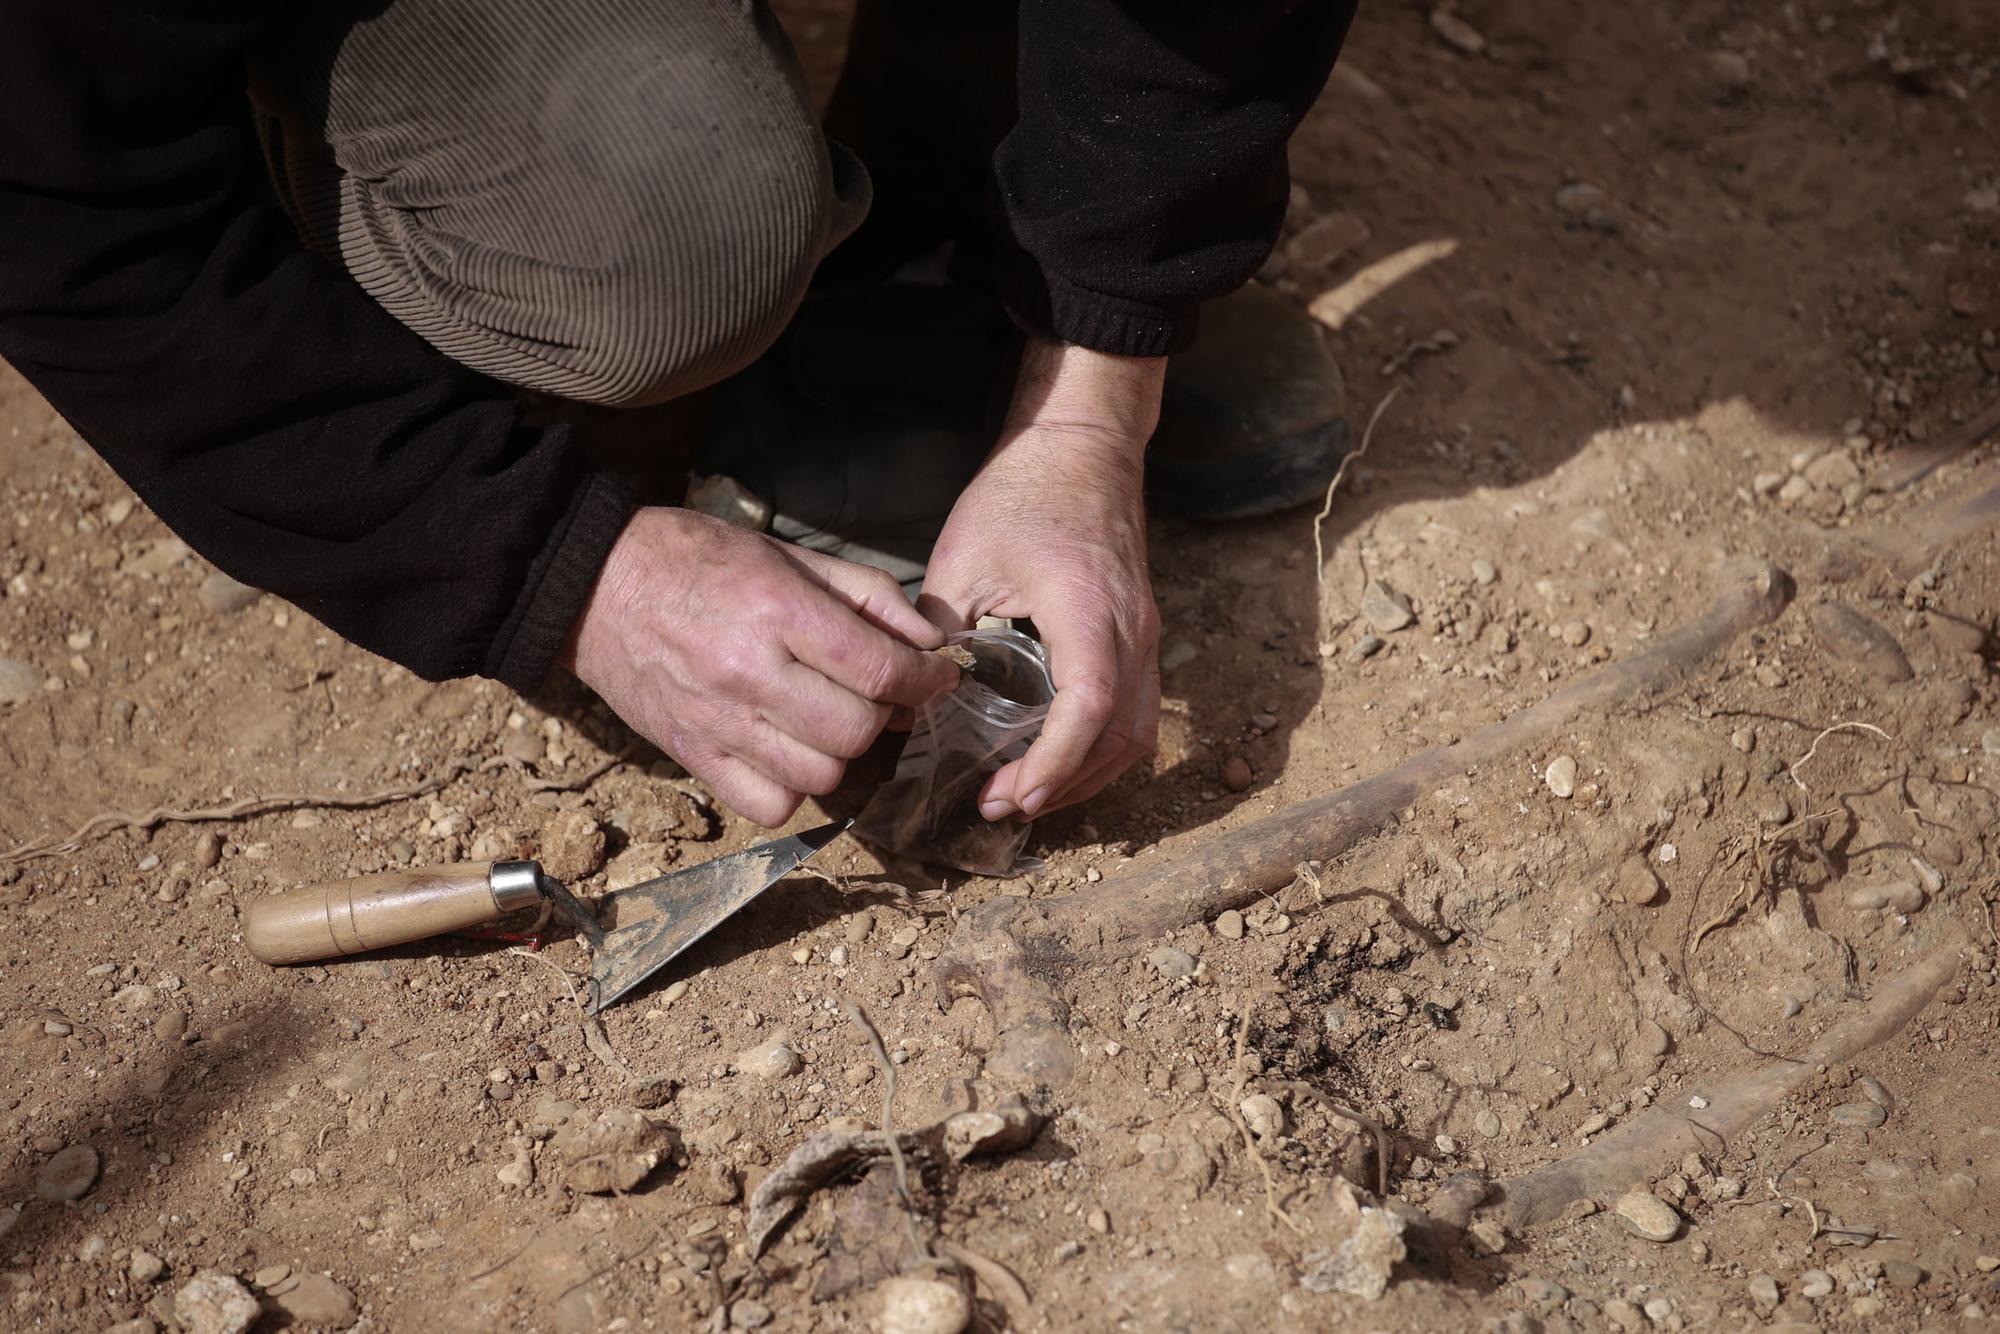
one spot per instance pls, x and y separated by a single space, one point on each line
393 907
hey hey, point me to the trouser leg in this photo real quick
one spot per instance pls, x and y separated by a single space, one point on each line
615 201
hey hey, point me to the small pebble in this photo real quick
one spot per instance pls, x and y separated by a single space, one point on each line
1097 1221
1902 1274
1743 739
1236 775
68 1175
145 1267
1648 1216
1263 1114
1487 1123
1229 925
1456 33
1815 1284
1488 1237
1385 610
770 1060
748 1314
1764 1291
1483 572
1170 963
1561 776
1861 1115
922 1306
213 1303
1576 634
1658 1309
1366 647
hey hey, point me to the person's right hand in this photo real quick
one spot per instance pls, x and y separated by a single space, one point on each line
761 667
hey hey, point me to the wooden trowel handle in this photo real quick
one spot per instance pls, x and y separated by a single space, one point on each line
374 911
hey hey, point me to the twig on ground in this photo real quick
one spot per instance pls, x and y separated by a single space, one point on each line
111 821
1813 749
1240 1075
1339 474
859 1018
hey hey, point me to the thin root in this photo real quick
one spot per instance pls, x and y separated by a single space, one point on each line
1241 1076
859 1018
555 968
111 821
1814 748
1339 475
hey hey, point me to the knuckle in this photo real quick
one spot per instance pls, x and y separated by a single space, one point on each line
822 775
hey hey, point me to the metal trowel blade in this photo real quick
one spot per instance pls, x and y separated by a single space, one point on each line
689 904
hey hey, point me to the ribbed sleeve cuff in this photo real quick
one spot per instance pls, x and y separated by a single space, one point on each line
559 583
1051 306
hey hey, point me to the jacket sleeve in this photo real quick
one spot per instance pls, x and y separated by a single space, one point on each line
264 406
1146 171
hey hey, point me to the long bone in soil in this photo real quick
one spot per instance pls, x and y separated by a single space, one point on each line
1014 954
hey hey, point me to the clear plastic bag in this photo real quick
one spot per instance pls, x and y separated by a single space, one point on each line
930 808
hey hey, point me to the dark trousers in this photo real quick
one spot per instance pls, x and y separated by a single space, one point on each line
623 201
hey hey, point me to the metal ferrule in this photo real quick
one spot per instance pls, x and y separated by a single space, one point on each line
515 885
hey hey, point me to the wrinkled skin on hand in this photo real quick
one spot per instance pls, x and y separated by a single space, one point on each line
761 667
1053 528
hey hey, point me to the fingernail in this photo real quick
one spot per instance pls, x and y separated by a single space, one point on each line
1033 804
997 809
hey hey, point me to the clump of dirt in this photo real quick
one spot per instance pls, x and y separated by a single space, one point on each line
1720 282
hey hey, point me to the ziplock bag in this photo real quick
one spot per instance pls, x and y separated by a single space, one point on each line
930 808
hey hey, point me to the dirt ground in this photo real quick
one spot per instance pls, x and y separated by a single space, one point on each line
1724 274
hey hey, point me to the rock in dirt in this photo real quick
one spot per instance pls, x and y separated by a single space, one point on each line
519 1172
1637 883
1561 776
1456 33
1236 775
748 1314
1386 610
315 1299
1264 1114
1366 647
68 1175
1815 1284
1647 1215
224 596
1229 925
213 1303
614 1151
1902 1274
1860 1115
136 1325
19 681
921 1306
1902 896
1360 1265
573 847
1764 1291
145 1267
207 850
1000 1129
1859 642
773 1059
1171 963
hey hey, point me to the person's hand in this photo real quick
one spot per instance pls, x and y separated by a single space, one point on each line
760 667
1054 528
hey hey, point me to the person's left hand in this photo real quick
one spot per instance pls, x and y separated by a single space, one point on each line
1054 528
